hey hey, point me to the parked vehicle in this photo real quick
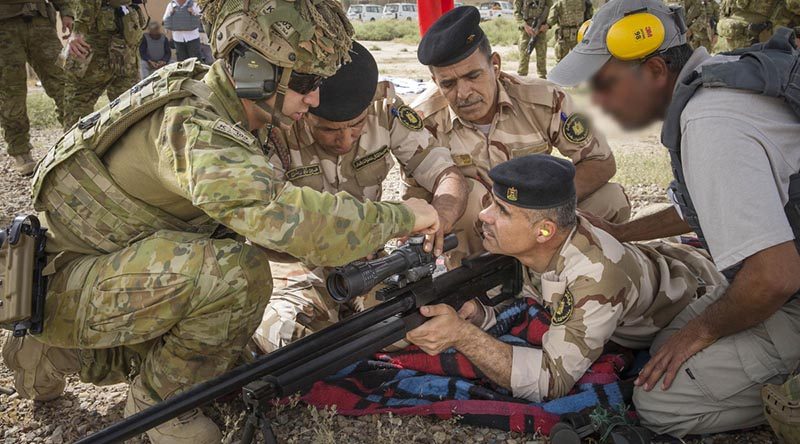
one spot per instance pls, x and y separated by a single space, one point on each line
364 13
493 10
400 11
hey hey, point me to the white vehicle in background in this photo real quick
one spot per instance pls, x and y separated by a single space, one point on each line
493 10
400 11
364 13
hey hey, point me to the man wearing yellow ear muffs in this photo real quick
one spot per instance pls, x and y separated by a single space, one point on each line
733 143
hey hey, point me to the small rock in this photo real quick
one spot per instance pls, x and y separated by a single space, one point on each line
439 437
58 435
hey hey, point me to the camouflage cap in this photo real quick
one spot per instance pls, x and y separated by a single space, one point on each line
307 36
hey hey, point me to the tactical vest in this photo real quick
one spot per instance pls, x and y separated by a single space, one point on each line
533 10
182 18
772 69
572 13
74 187
155 47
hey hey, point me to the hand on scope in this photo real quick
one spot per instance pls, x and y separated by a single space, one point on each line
426 220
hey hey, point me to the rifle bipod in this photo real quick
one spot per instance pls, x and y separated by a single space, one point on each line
256 395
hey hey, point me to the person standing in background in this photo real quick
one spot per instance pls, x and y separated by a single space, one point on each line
154 49
182 17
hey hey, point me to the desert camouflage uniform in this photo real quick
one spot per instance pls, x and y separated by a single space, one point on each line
526 11
534 116
745 22
300 304
566 16
138 271
599 290
114 63
700 16
28 35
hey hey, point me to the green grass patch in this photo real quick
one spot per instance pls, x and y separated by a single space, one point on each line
500 31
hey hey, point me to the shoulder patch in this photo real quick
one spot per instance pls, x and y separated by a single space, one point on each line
408 117
361 162
303 171
234 132
563 312
576 128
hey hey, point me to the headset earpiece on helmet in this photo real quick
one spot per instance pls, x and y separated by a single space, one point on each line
254 76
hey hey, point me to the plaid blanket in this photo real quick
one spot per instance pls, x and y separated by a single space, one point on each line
410 382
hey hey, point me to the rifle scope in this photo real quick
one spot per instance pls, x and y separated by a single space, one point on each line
410 260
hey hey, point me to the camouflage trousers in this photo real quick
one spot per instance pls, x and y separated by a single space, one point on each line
719 389
176 308
566 39
33 41
301 305
102 75
541 55
608 202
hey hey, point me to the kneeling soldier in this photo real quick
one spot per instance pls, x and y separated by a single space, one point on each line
346 144
596 289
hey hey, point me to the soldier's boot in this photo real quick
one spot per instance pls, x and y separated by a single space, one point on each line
39 370
782 409
24 164
190 428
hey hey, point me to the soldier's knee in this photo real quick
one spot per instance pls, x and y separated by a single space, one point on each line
658 413
245 269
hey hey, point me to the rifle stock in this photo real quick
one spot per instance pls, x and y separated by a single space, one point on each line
298 365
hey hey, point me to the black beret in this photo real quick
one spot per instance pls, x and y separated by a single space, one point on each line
346 94
452 38
537 181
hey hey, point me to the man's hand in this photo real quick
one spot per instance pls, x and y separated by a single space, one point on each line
682 345
543 28
78 47
426 220
445 329
473 312
615 230
528 29
66 25
450 200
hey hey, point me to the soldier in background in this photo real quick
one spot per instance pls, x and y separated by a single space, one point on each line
531 17
596 289
701 19
346 145
28 35
740 27
566 17
103 54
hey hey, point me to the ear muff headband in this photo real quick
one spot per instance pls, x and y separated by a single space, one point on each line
582 30
635 36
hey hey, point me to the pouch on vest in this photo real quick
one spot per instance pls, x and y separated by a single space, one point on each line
133 24
24 287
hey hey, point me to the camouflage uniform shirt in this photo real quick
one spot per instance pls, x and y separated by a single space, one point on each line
599 290
362 171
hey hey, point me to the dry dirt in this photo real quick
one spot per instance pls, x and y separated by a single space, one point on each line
85 408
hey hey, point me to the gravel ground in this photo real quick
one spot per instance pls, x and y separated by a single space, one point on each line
85 408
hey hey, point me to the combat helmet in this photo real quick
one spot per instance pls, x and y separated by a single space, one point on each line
295 38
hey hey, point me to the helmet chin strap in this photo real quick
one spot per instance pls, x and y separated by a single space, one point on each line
276 111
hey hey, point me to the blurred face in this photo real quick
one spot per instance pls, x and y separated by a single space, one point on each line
507 229
470 86
634 94
337 138
155 31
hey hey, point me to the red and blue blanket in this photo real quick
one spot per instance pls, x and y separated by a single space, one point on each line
410 382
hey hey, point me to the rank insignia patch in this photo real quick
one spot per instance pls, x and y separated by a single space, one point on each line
576 128
564 309
512 194
409 118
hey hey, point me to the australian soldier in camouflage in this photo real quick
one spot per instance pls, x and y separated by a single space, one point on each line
487 116
347 144
701 19
596 289
143 283
28 35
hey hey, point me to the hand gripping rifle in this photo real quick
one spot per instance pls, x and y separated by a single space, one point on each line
408 275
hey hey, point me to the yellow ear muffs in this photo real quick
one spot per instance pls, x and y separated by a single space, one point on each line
635 36
582 30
